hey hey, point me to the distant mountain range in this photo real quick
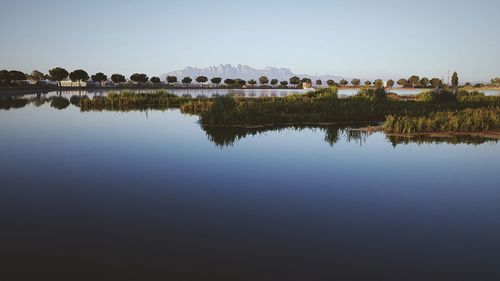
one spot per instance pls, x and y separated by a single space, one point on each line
246 72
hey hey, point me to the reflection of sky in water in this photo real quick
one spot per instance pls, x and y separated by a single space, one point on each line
100 186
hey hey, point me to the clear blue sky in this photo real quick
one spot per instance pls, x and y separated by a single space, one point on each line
366 39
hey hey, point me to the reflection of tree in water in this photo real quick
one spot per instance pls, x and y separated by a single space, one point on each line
59 102
20 101
38 101
226 136
13 102
75 100
420 140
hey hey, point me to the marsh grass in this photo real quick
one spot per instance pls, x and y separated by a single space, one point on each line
434 111
467 120
324 106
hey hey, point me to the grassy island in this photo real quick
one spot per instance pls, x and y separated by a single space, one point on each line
432 111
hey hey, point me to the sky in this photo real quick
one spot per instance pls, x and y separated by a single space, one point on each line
357 38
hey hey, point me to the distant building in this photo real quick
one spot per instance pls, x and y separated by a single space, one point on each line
307 85
43 83
69 83
109 84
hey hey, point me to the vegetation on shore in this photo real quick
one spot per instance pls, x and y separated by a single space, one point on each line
81 78
466 120
127 100
324 106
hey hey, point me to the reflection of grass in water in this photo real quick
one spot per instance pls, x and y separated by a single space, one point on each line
420 140
223 136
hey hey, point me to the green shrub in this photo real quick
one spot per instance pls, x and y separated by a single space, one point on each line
437 96
467 120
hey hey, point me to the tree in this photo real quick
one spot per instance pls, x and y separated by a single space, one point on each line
306 80
495 81
229 82
171 79
424 82
36 76
343 82
414 80
295 81
390 83
240 82
216 80
201 79
252 82
58 74
356 82
17 75
138 78
454 82
319 82
274 82
155 80
379 83
330 83
368 83
117 78
436 83
284 83
79 75
402 82
186 80
101 77
263 80
4 77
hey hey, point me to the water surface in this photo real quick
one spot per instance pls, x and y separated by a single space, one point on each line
152 195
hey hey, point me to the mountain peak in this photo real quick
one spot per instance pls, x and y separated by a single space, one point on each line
244 72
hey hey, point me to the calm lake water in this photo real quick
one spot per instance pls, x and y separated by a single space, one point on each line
155 196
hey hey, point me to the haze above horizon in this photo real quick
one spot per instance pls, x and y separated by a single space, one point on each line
363 39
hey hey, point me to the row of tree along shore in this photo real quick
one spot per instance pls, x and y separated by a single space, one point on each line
80 78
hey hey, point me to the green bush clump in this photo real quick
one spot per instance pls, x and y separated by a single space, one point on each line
373 94
328 92
467 120
127 100
437 96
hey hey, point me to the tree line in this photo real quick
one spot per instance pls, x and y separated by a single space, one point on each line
59 74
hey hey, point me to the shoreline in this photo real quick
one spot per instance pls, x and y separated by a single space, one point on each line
270 125
486 134
26 91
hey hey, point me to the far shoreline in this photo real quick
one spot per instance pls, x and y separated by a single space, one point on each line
27 91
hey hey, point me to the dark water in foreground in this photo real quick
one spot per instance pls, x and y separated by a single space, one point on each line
152 196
